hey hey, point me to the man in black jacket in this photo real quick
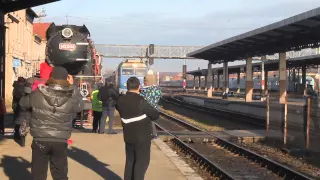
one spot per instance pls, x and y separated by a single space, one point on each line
108 96
136 116
53 106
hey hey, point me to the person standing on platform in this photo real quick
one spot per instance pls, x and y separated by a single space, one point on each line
23 118
108 95
53 106
18 93
152 93
136 116
96 108
3 112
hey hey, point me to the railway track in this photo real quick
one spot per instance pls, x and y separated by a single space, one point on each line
222 158
232 116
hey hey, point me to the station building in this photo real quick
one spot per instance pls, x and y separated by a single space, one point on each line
24 48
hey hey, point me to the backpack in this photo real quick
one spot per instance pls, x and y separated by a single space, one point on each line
109 96
18 91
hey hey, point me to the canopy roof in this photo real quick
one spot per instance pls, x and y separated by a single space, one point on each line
295 33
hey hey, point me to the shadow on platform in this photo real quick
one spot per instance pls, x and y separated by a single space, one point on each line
91 162
16 168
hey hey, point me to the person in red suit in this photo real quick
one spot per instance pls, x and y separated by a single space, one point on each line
45 70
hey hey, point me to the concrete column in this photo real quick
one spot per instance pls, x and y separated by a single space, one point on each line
194 82
289 80
304 75
282 78
200 82
294 79
298 76
213 84
263 82
209 81
205 82
225 77
266 78
249 87
238 81
218 81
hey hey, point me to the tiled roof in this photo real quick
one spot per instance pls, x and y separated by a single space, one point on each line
40 29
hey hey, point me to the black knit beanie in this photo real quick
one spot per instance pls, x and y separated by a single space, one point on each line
59 73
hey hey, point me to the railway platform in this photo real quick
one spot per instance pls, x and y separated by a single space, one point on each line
258 108
92 156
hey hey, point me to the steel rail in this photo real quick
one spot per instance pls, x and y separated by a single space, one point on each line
200 159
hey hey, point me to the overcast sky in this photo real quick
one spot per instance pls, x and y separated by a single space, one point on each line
171 22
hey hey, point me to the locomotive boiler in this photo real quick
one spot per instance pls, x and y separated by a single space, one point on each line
70 46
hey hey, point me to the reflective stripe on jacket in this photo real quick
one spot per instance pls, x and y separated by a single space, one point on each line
96 104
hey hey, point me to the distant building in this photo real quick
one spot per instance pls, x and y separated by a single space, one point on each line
166 78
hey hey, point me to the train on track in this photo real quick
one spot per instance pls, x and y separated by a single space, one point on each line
70 46
126 69
273 83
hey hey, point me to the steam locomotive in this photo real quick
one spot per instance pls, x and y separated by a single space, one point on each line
70 46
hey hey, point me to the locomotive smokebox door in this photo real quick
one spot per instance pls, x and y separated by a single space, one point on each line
68 47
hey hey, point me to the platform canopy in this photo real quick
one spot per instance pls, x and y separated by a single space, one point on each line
295 33
309 61
15 5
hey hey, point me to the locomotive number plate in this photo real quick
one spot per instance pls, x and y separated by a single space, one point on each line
67 46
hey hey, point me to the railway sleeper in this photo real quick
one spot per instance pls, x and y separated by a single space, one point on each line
201 161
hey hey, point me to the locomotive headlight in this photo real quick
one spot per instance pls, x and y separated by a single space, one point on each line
67 32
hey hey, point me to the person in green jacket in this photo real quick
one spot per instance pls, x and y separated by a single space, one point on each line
96 107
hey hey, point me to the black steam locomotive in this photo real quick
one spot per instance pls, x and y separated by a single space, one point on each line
70 46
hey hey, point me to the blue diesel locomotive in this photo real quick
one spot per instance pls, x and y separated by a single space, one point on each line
126 69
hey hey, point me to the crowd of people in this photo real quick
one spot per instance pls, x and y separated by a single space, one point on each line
46 111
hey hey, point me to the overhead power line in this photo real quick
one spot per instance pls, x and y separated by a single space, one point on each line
176 25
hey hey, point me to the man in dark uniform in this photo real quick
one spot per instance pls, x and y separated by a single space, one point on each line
136 116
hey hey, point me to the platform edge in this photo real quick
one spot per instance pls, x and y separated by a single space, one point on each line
183 167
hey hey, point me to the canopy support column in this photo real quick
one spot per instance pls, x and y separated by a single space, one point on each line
283 78
209 80
249 87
